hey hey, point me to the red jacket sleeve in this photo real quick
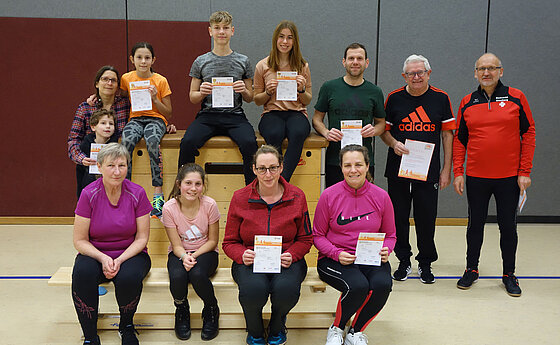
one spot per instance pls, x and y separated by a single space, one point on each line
233 244
459 143
527 131
304 239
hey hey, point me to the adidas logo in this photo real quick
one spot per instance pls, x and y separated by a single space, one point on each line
417 121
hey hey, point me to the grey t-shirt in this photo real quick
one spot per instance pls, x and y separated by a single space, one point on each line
211 65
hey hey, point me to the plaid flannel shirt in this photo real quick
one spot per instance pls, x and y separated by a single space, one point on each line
80 125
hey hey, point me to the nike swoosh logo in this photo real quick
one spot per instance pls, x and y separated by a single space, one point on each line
341 221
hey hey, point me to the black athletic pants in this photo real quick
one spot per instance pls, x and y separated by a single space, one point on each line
364 290
294 125
86 277
254 289
206 125
198 276
424 198
506 194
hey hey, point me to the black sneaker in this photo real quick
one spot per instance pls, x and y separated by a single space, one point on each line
512 285
128 335
95 341
210 325
182 321
426 275
401 274
469 277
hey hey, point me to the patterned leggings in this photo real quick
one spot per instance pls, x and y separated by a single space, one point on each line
88 274
152 129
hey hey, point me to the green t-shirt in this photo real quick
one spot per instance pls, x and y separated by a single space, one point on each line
346 102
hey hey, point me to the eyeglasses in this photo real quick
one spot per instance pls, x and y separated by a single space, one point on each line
412 74
489 69
107 80
273 169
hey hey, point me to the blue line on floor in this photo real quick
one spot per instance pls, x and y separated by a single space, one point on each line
24 277
494 277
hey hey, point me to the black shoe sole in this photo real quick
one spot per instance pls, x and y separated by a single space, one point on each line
511 293
186 337
209 337
427 282
466 287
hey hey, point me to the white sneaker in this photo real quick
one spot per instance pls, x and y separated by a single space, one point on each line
357 338
335 336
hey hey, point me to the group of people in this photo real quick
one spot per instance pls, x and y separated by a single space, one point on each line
494 129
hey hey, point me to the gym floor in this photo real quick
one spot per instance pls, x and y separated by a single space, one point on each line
33 313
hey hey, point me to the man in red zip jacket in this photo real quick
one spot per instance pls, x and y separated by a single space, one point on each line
495 129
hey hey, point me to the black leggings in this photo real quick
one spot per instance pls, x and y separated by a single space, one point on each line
365 290
86 277
424 197
275 126
506 193
207 124
254 289
198 276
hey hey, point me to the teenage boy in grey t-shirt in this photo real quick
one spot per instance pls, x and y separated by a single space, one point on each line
231 121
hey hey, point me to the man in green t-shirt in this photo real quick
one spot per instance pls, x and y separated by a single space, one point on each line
349 98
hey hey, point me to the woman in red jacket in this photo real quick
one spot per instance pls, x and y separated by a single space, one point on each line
268 206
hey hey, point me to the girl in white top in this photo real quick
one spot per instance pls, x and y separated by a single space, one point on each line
191 222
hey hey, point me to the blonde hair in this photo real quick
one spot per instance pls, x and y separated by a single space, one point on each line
221 17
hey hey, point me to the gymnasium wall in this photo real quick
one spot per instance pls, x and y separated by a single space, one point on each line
52 50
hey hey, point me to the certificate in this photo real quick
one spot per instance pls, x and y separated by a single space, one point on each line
222 92
267 254
368 248
287 86
522 200
140 98
416 163
93 151
351 132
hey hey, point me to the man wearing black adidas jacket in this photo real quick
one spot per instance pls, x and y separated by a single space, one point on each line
418 112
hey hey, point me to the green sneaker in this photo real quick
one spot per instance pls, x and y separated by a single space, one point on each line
157 205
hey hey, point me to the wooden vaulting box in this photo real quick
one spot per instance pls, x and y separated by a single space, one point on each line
221 159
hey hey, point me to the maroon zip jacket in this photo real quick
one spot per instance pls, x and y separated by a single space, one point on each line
249 215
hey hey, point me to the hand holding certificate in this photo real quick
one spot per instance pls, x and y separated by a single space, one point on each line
369 247
416 163
351 131
140 97
268 250
222 92
93 151
287 86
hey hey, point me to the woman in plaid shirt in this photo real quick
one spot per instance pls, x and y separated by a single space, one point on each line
106 85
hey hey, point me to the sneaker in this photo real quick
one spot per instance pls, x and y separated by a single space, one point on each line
182 321
355 338
426 275
401 274
128 335
255 341
512 285
157 205
210 326
95 341
469 277
277 339
335 336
